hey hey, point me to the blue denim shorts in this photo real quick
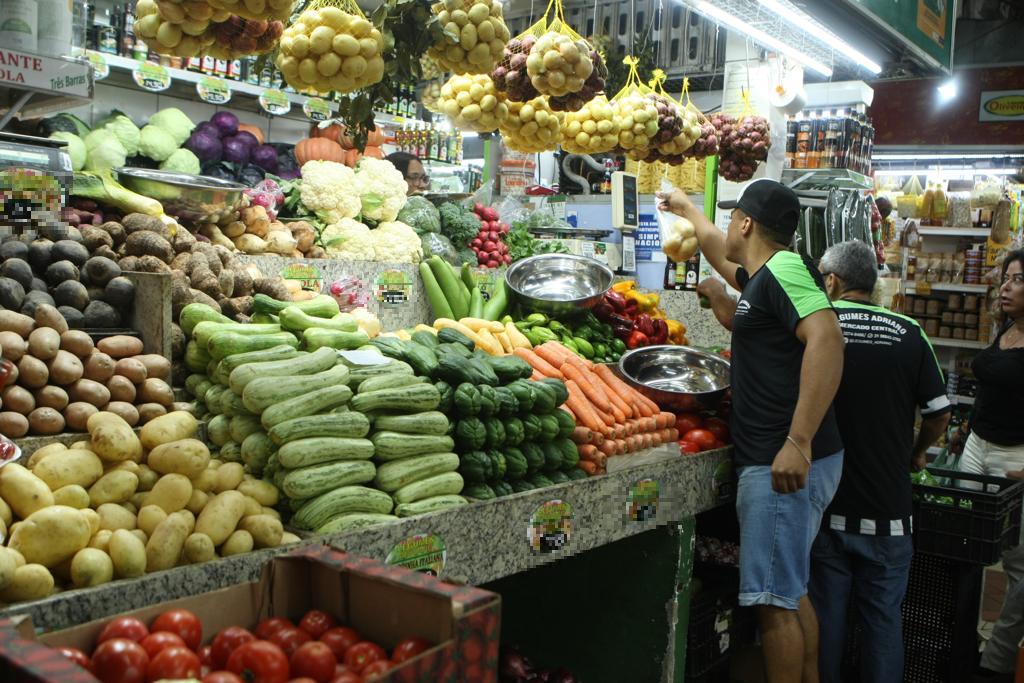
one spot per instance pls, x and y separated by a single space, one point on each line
777 531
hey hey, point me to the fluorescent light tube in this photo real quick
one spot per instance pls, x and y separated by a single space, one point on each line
945 155
803 21
759 36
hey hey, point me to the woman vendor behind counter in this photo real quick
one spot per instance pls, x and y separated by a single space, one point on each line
412 170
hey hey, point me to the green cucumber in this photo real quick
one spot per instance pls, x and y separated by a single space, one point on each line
432 504
223 344
306 364
263 392
395 446
344 500
320 449
416 398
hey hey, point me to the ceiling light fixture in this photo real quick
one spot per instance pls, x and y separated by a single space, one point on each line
928 157
947 90
803 21
757 35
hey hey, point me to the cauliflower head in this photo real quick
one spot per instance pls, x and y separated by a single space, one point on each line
328 191
125 130
175 122
396 242
183 161
75 148
103 151
348 238
382 189
156 143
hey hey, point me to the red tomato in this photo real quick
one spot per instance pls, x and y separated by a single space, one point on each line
717 427
120 660
269 627
314 660
408 648
124 627
289 639
687 421
173 662
76 656
159 640
304 679
259 662
347 677
315 622
363 653
184 623
702 437
221 677
340 639
225 642
206 657
376 670
688 447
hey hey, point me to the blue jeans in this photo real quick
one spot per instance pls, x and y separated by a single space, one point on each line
777 530
873 571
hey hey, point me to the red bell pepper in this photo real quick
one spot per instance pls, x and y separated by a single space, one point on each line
615 300
637 339
660 335
645 324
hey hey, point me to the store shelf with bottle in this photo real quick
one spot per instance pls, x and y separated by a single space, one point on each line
829 144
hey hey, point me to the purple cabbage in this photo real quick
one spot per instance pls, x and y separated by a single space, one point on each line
208 127
226 122
248 138
237 150
205 146
265 157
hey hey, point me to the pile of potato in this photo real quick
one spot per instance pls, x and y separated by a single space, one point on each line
530 126
473 103
559 65
474 36
591 130
120 505
251 231
60 378
175 28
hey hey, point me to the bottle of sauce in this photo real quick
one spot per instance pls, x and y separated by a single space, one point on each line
927 201
670 274
939 206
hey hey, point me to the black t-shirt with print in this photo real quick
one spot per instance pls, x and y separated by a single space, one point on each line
890 372
767 358
997 413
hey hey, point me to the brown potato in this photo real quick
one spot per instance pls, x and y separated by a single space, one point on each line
77 414
149 411
44 343
120 346
48 316
99 367
90 392
126 411
13 425
19 400
156 391
14 346
45 421
65 368
132 369
76 342
32 372
121 389
157 366
16 322
51 397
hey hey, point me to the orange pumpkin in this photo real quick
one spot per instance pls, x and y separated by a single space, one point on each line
374 152
318 149
352 157
335 132
376 138
255 130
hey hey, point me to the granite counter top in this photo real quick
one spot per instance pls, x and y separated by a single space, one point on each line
484 541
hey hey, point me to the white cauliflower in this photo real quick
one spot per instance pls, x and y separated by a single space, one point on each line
328 190
396 242
381 188
347 238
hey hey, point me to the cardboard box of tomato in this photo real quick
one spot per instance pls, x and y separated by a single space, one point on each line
386 605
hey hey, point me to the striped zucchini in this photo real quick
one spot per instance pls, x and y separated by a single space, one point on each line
263 392
308 404
206 329
320 449
432 504
431 423
223 344
230 452
392 476
218 430
335 424
390 381
416 398
449 483
256 449
316 479
394 446
318 361
354 520
219 374
318 511
231 405
212 398
364 372
244 425
282 352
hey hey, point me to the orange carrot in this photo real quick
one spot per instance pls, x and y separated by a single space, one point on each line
581 363
588 467
619 416
538 364
584 412
625 406
593 394
582 435
610 447
587 451
665 419
643 405
673 434
536 376
552 352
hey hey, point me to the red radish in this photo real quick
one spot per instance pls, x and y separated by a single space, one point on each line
476 243
492 264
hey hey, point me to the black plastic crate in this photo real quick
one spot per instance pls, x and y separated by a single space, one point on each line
969 525
717 626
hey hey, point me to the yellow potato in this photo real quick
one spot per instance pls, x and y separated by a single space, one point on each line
185 456
113 517
127 465
101 539
173 426
263 491
150 517
81 445
30 582
197 502
266 531
8 565
116 486
171 492
23 491
229 476
220 516
51 535
131 507
91 567
252 507
238 543
93 518
112 438
138 499
166 542
141 535
128 554
272 512
41 453
69 467
71 495
207 480
199 548
6 516
147 478
288 538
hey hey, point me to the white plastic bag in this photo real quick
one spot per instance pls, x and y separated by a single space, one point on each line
678 234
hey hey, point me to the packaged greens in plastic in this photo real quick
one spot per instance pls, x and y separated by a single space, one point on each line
439 245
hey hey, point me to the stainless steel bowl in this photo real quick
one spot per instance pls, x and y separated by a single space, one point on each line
677 378
558 284
195 198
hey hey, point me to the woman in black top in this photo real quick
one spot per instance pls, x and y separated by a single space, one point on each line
995 446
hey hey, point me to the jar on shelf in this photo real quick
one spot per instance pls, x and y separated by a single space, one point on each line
931 327
958 319
958 333
971 334
970 302
947 317
944 332
920 306
934 307
955 302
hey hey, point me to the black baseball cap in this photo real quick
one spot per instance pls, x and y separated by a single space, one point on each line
770 203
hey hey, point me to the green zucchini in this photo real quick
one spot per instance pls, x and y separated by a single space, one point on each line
354 520
307 404
346 499
307 482
264 318
205 330
417 398
432 504
347 424
203 387
294 319
282 352
256 449
231 404
320 449
263 392
320 306
193 381
223 344
449 483
319 337
212 398
243 425
305 364
218 430
230 452
196 357
193 314
391 381
394 446
431 423
220 373
392 476
361 373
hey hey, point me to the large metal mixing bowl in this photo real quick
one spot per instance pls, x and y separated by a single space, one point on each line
558 284
194 198
677 378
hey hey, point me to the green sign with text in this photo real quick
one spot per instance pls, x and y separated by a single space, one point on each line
924 24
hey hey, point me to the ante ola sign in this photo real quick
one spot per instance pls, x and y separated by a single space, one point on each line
1001 105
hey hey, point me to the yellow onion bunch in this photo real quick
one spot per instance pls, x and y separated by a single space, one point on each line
429 70
690 130
266 10
591 130
431 96
531 126
559 65
637 117
472 103
474 36
177 29
328 49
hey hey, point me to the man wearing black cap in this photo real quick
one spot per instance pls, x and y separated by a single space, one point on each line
787 360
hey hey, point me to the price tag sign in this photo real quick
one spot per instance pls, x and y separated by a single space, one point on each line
642 503
308 276
424 553
550 527
213 90
100 68
152 77
316 109
275 102
393 287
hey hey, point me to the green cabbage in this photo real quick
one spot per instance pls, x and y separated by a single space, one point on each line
104 151
420 214
75 149
175 122
156 143
182 161
125 130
